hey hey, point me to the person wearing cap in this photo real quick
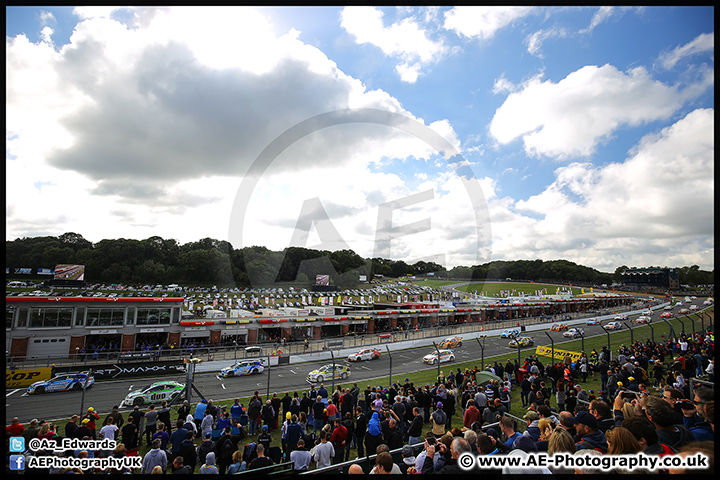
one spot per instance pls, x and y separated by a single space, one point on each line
83 430
590 436
205 447
265 437
533 431
439 419
91 415
408 459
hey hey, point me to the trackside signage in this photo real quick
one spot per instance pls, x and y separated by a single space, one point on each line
559 354
26 376
122 370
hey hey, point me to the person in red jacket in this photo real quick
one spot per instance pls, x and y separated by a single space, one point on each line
92 416
472 414
338 439
15 428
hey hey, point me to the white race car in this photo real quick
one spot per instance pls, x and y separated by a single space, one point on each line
364 354
445 356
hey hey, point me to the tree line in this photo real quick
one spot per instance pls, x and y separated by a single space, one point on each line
156 260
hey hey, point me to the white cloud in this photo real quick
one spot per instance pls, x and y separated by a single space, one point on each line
569 118
483 22
633 212
535 41
700 44
404 40
599 17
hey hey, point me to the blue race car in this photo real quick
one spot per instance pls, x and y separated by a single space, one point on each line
243 367
511 333
61 383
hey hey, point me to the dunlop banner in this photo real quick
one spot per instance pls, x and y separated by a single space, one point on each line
26 376
559 354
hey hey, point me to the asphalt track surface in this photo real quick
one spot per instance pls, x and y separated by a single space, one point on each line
283 378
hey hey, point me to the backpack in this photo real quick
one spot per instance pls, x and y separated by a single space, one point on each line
227 448
250 453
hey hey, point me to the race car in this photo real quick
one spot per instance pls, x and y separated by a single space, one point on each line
522 342
613 326
325 372
155 393
364 354
593 321
445 356
693 308
558 327
667 315
647 313
243 367
620 317
574 333
61 383
683 311
451 342
513 332
643 319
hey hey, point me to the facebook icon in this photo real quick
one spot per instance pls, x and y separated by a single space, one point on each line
17 462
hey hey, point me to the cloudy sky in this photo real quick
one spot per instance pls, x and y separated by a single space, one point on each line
459 135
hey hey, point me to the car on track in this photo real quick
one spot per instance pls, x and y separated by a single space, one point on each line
667 315
594 321
620 317
668 307
683 311
61 382
693 308
643 319
154 393
243 367
647 313
521 342
574 333
445 356
558 327
511 333
451 342
613 326
364 354
325 372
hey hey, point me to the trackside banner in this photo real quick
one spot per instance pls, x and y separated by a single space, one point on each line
26 376
126 370
559 354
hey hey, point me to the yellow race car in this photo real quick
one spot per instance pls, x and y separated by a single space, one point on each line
521 342
558 327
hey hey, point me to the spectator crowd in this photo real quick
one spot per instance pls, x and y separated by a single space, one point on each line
645 403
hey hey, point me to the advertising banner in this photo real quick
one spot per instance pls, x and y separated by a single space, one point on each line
559 354
26 376
127 370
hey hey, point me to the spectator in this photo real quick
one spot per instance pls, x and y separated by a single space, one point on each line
324 452
696 419
71 427
116 416
162 435
177 437
109 431
206 425
661 414
561 442
439 419
373 436
178 467
587 429
209 467
301 457
238 465
408 459
129 433
383 464
458 447
265 438
706 448
92 417
532 418
16 428
205 447
338 439
646 435
188 451
155 457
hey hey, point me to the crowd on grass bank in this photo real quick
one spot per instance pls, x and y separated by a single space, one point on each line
645 404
